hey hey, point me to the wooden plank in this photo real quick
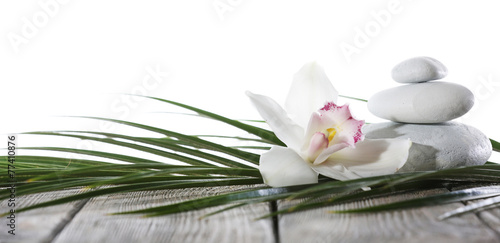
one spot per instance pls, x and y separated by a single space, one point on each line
38 225
92 224
411 225
490 217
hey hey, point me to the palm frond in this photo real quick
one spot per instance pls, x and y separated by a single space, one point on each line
474 207
449 197
353 98
262 133
111 139
208 164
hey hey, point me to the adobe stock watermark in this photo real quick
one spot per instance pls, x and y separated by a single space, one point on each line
31 26
363 35
222 7
487 87
121 108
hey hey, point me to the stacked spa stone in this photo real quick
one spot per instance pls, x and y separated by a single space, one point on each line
422 110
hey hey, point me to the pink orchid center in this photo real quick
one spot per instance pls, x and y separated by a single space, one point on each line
332 125
320 141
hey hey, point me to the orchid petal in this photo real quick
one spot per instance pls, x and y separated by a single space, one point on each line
335 171
316 124
335 113
348 129
310 89
282 166
325 154
285 129
349 132
371 157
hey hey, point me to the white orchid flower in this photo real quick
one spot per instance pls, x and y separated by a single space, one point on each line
321 137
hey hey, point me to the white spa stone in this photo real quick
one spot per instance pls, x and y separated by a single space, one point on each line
437 146
432 102
419 69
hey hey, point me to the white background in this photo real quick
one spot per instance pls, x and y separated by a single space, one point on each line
60 58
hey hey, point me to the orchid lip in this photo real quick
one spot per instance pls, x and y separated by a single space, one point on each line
330 129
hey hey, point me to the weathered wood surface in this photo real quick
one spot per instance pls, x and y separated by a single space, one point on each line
490 217
92 224
39 225
410 225
88 221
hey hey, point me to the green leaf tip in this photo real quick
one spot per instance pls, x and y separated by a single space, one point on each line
495 145
353 98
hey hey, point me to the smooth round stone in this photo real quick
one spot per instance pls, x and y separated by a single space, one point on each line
432 102
419 69
437 146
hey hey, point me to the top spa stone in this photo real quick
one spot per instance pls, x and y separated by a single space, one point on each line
419 69
431 102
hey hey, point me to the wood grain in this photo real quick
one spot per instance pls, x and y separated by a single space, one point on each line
411 225
92 224
38 225
490 217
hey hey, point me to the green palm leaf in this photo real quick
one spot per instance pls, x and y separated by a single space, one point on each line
111 139
139 186
208 164
262 133
495 145
193 141
456 196
475 207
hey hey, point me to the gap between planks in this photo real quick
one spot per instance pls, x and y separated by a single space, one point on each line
65 221
92 224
